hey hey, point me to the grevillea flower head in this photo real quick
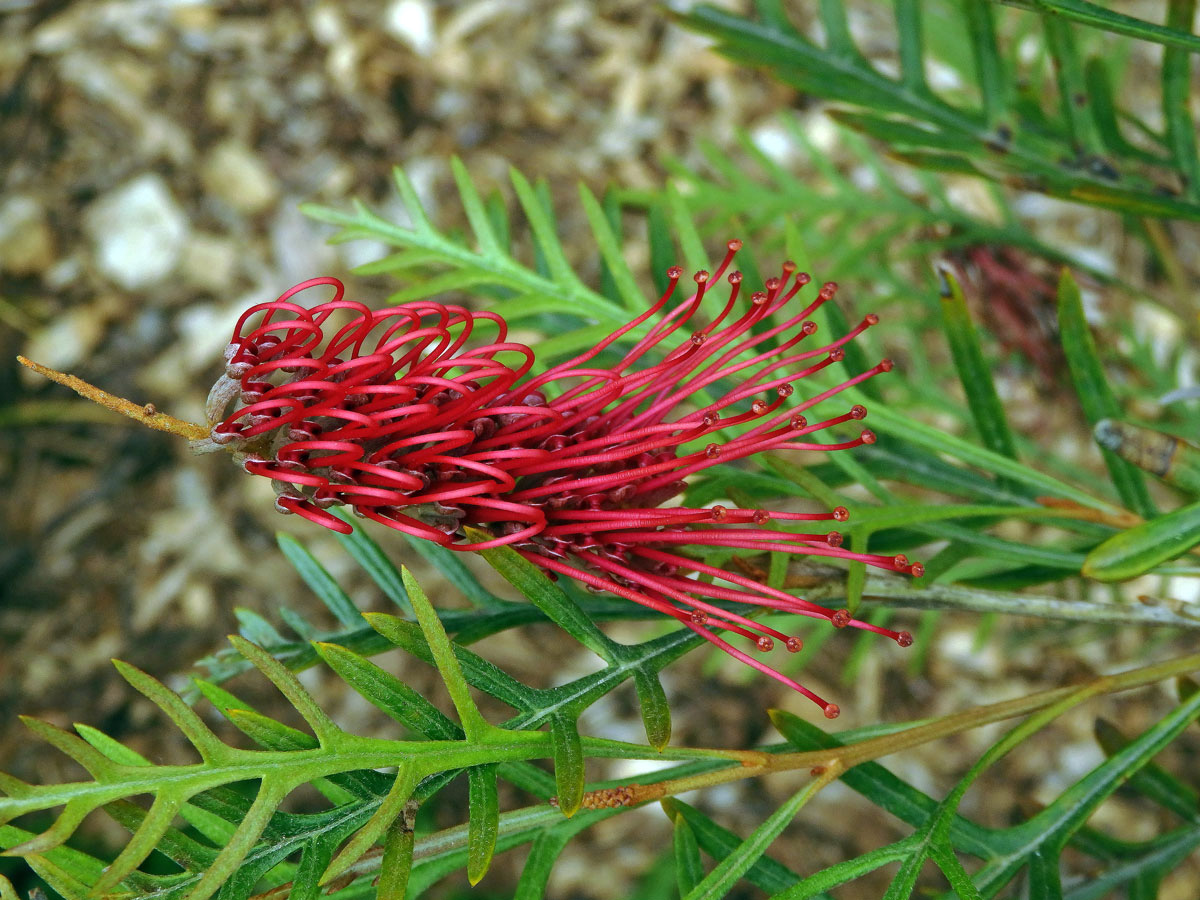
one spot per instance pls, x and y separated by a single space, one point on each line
398 414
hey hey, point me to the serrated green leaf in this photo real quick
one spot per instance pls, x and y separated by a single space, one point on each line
254 627
719 842
113 749
306 882
392 806
1096 16
1152 781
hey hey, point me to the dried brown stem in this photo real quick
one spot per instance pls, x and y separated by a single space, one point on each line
144 413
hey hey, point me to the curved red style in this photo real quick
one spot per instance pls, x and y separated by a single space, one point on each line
408 417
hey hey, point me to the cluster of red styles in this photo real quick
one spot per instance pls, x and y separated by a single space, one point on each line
404 418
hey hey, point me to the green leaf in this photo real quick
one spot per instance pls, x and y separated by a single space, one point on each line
450 565
1137 550
688 870
443 657
725 874
484 822
605 235
368 555
327 733
1096 16
719 842
397 858
322 583
473 206
974 373
569 776
1091 387
1177 87
1152 781
388 693
656 710
536 587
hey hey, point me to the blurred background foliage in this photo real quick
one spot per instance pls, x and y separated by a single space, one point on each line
1014 191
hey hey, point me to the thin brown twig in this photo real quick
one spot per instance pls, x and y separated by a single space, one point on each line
144 413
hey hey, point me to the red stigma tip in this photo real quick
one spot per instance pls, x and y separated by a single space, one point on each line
900 562
758 407
675 272
784 390
711 419
735 278
794 644
697 338
701 276
712 451
809 327
798 421
831 712
885 365
698 617
840 514
834 539
771 284
916 570
765 644
760 517
840 619
858 412
734 246
758 298
904 639
871 319
868 437
718 513
788 266
837 354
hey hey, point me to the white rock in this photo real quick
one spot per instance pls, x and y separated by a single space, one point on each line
26 242
411 21
210 261
68 340
138 231
240 178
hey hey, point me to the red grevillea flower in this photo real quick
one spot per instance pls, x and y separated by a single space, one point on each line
401 416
